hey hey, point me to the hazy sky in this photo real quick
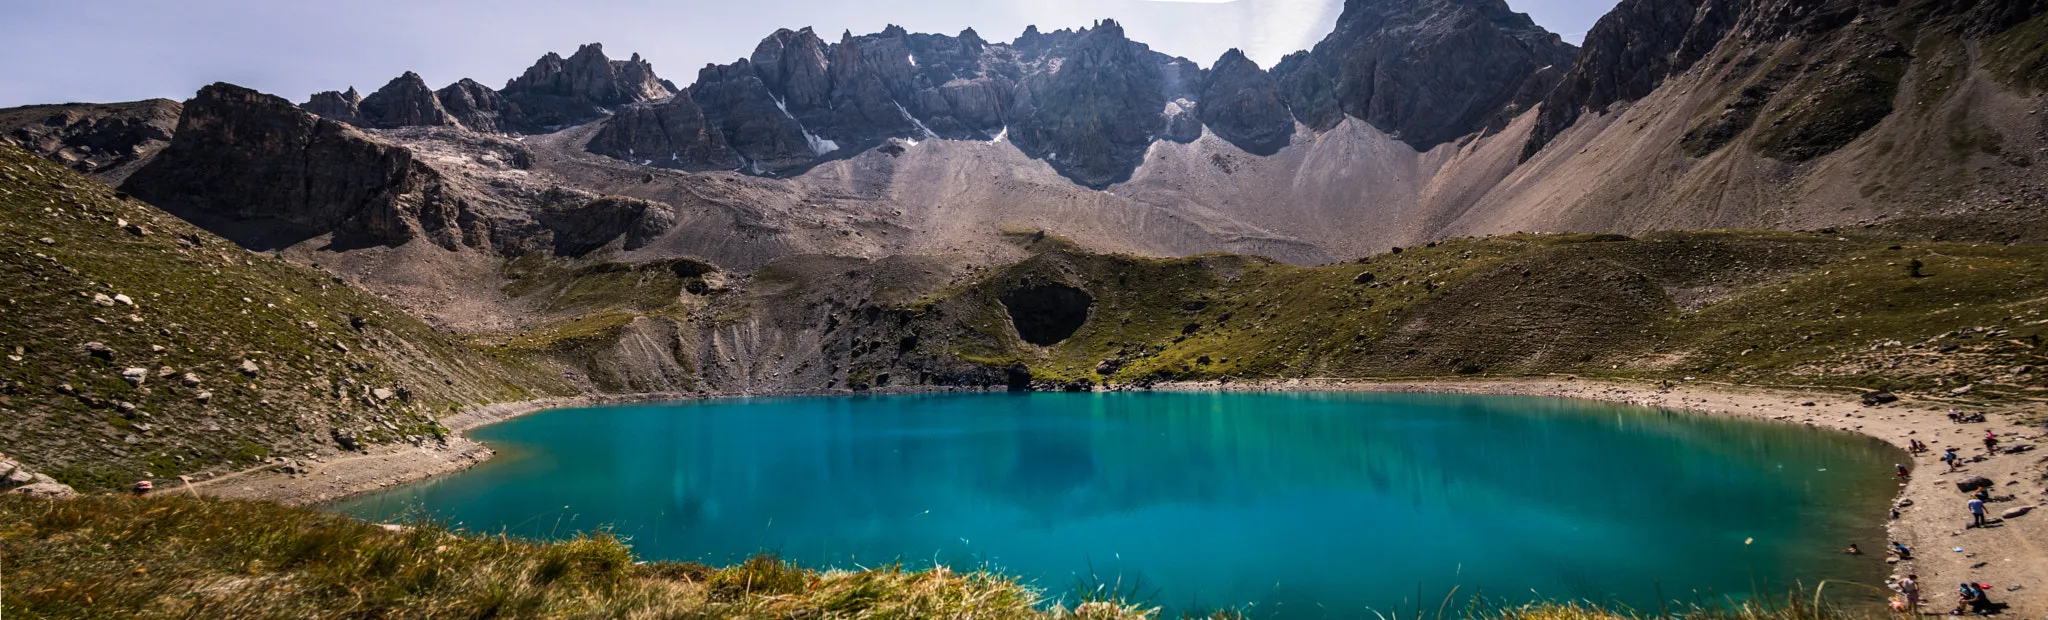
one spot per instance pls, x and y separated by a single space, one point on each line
124 50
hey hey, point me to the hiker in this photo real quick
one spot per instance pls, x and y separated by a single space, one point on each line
1991 442
143 487
1853 550
1952 459
1901 551
1976 512
1910 586
1955 417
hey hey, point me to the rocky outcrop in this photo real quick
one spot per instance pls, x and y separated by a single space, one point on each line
760 129
559 91
405 101
1628 53
343 107
107 141
668 134
1093 117
478 107
257 160
16 478
581 225
1242 104
1425 71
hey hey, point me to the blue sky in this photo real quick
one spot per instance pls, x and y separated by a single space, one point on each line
124 50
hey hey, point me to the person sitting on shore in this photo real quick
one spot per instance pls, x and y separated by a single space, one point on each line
1902 471
1901 551
1973 599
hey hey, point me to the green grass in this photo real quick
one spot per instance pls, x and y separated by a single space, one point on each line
181 557
1746 306
200 306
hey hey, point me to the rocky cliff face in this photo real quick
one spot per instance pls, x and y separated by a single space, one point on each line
478 107
341 106
255 158
1093 115
1426 71
669 134
1628 53
559 91
107 141
1243 104
406 101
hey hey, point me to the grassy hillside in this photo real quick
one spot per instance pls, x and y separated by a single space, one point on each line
1753 307
138 346
107 556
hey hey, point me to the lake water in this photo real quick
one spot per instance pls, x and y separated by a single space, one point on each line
1299 505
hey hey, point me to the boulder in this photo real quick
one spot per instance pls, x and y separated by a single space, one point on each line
1880 397
1363 278
2016 512
99 350
249 368
16 478
1973 483
135 376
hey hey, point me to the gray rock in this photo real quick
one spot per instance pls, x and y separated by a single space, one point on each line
670 134
237 151
1880 397
99 350
559 91
249 368
479 108
405 101
135 376
1973 483
337 106
1242 104
188 380
2017 512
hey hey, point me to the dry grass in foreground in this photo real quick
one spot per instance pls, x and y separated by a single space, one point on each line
110 556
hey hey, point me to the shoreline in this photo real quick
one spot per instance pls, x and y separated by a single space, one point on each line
2014 553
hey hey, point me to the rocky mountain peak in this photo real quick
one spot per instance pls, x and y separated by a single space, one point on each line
343 107
1426 71
478 107
1242 103
405 101
558 91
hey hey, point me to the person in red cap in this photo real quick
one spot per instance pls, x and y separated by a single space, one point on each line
142 488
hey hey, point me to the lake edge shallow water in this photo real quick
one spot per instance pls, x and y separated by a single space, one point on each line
512 453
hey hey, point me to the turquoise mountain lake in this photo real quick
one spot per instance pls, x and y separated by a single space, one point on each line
1302 505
